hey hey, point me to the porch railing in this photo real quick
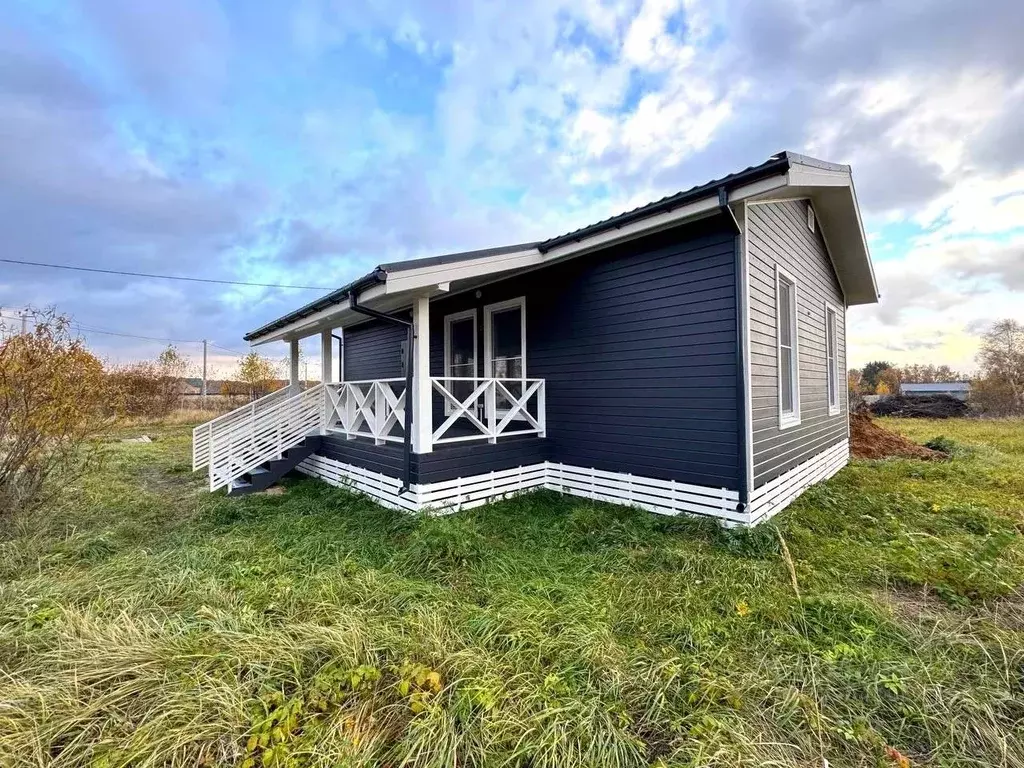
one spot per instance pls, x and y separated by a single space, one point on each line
474 409
491 408
373 409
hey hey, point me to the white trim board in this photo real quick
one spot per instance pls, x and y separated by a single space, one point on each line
665 497
786 421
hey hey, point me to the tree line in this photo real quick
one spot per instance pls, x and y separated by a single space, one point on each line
997 388
57 398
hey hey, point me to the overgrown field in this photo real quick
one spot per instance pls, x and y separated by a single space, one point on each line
146 622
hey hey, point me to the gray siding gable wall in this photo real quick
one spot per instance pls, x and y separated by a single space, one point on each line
777 234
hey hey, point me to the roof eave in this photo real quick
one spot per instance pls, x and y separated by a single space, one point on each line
340 296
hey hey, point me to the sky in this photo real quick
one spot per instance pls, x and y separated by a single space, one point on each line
304 142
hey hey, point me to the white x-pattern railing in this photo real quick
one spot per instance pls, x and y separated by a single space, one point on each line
494 407
373 409
248 437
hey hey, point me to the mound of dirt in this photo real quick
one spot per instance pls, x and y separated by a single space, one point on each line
921 407
870 441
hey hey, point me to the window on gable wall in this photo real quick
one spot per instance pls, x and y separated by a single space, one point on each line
832 357
789 382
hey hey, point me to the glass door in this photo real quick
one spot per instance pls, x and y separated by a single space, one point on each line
505 347
459 355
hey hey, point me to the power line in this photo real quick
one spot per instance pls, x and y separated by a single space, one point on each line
163 277
89 329
225 349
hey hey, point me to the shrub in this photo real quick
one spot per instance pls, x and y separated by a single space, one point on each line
51 402
151 388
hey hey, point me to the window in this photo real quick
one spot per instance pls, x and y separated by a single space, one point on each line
789 381
810 217
832 357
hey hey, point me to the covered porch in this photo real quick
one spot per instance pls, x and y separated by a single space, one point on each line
423 411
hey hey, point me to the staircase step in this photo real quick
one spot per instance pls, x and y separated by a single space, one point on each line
259 471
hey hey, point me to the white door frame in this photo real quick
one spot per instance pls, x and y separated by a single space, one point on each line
489 310
469 314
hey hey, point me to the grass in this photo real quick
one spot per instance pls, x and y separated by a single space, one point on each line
146 622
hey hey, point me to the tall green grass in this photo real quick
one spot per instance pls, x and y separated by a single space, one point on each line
145 622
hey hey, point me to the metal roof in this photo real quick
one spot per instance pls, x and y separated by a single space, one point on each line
776 164
949 386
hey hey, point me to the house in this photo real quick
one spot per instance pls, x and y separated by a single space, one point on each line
961 390
685 356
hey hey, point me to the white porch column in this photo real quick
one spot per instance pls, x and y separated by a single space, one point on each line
293 366
326 357
423 418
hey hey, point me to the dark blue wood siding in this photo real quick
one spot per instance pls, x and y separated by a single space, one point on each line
446 462
388 459
373 350
638 345
778 234
452 460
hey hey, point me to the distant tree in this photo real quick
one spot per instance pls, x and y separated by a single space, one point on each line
1001 360
945 375
889 381
258 374
871 371
854 394
930 374
854 378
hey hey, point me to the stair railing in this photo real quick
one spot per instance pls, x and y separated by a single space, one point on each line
203 434
262 434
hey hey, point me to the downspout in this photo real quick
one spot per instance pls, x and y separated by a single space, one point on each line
341 356
355 306
741 372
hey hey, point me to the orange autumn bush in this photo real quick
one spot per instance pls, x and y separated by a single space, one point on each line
52 395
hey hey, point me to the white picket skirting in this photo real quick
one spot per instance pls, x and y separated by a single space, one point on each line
662 496
775 495
665 497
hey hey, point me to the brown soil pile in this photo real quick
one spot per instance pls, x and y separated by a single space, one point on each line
870 441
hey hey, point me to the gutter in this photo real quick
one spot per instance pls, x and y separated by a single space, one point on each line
355 306
741 372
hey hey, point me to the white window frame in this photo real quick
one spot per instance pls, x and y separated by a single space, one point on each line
469 314
489 311
833 410
810 216
787 420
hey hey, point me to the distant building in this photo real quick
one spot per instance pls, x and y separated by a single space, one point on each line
961 390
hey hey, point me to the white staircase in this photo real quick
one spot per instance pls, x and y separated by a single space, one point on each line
239 443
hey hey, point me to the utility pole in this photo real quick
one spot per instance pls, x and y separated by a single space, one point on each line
24 322
204 374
